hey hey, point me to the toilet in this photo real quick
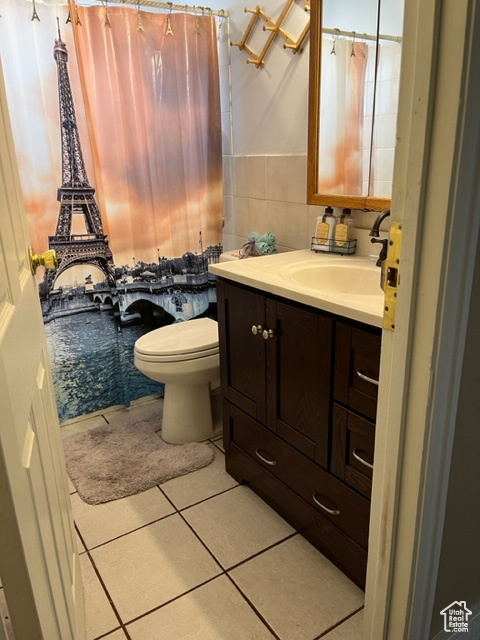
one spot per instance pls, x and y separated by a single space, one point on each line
184 356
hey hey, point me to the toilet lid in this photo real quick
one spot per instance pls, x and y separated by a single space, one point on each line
198 336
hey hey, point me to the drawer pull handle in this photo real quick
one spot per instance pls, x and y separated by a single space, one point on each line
360 459
367 378
332 512
272 463
267 334
257 328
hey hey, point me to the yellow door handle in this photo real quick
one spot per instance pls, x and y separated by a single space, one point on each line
47 259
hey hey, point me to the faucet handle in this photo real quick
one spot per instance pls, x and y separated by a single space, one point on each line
383 251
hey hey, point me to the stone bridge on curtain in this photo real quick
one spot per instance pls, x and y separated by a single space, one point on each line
181 296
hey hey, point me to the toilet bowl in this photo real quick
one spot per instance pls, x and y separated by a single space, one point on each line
184 357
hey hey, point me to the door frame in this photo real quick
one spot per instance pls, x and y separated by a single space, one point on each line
435 196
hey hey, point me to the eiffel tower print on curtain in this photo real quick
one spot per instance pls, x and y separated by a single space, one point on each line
76 195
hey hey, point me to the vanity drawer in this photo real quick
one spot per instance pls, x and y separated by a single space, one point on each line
346 554
342 506
357 368
353 442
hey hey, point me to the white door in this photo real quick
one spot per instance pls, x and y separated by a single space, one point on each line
39 565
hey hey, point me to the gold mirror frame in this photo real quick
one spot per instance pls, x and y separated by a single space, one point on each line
368 203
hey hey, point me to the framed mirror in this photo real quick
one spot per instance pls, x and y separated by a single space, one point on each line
355 55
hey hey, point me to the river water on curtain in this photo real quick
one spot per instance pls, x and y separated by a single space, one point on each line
92 363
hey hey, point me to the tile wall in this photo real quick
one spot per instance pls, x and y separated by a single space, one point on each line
268 193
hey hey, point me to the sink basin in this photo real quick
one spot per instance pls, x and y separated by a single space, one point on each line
348 286
336 278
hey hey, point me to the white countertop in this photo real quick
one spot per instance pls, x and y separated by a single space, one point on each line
272 274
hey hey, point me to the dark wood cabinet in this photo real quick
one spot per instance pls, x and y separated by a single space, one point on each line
357 368
242 351
275 364
353 441
293 428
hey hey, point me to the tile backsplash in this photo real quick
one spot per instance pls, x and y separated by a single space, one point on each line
268 193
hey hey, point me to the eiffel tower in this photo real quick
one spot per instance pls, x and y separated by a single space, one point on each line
76 196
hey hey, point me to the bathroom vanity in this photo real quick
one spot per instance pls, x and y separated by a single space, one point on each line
299 384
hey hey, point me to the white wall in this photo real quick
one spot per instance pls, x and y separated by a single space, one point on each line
269 103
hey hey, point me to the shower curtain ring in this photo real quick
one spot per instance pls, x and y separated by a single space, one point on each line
222 18
107 19
34 13
197 27
352 53
334 45
77 17
140 26
169 31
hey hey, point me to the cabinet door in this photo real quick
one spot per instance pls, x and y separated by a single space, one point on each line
357 368
242 352
298 377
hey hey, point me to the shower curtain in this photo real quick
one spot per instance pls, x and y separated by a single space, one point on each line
342 109
353 158
118 142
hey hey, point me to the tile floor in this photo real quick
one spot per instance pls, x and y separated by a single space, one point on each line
201 557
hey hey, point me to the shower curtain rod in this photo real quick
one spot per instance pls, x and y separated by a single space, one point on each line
170 6
361 36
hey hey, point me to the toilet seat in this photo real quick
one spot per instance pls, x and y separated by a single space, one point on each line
181 341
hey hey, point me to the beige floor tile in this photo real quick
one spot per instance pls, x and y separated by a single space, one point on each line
199 485
71 486
80 547
218 442
236 525
351 629
144 569
100 523
215 611
81 425
154 397
151 410
116 635
99 614
299 592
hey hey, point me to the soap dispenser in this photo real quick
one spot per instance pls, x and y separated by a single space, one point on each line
342 229
325 232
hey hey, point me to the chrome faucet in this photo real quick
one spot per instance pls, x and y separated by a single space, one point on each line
375 233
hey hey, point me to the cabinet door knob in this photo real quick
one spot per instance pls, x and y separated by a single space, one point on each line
272 462
257 328
332 512
267 334
358 457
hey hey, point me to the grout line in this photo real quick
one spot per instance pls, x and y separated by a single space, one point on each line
147 524
105 635
127 533
339 623
216 445
259 553
194 504
100 579
180 595
201 541
254 609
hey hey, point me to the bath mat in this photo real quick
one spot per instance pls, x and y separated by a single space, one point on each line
118 460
